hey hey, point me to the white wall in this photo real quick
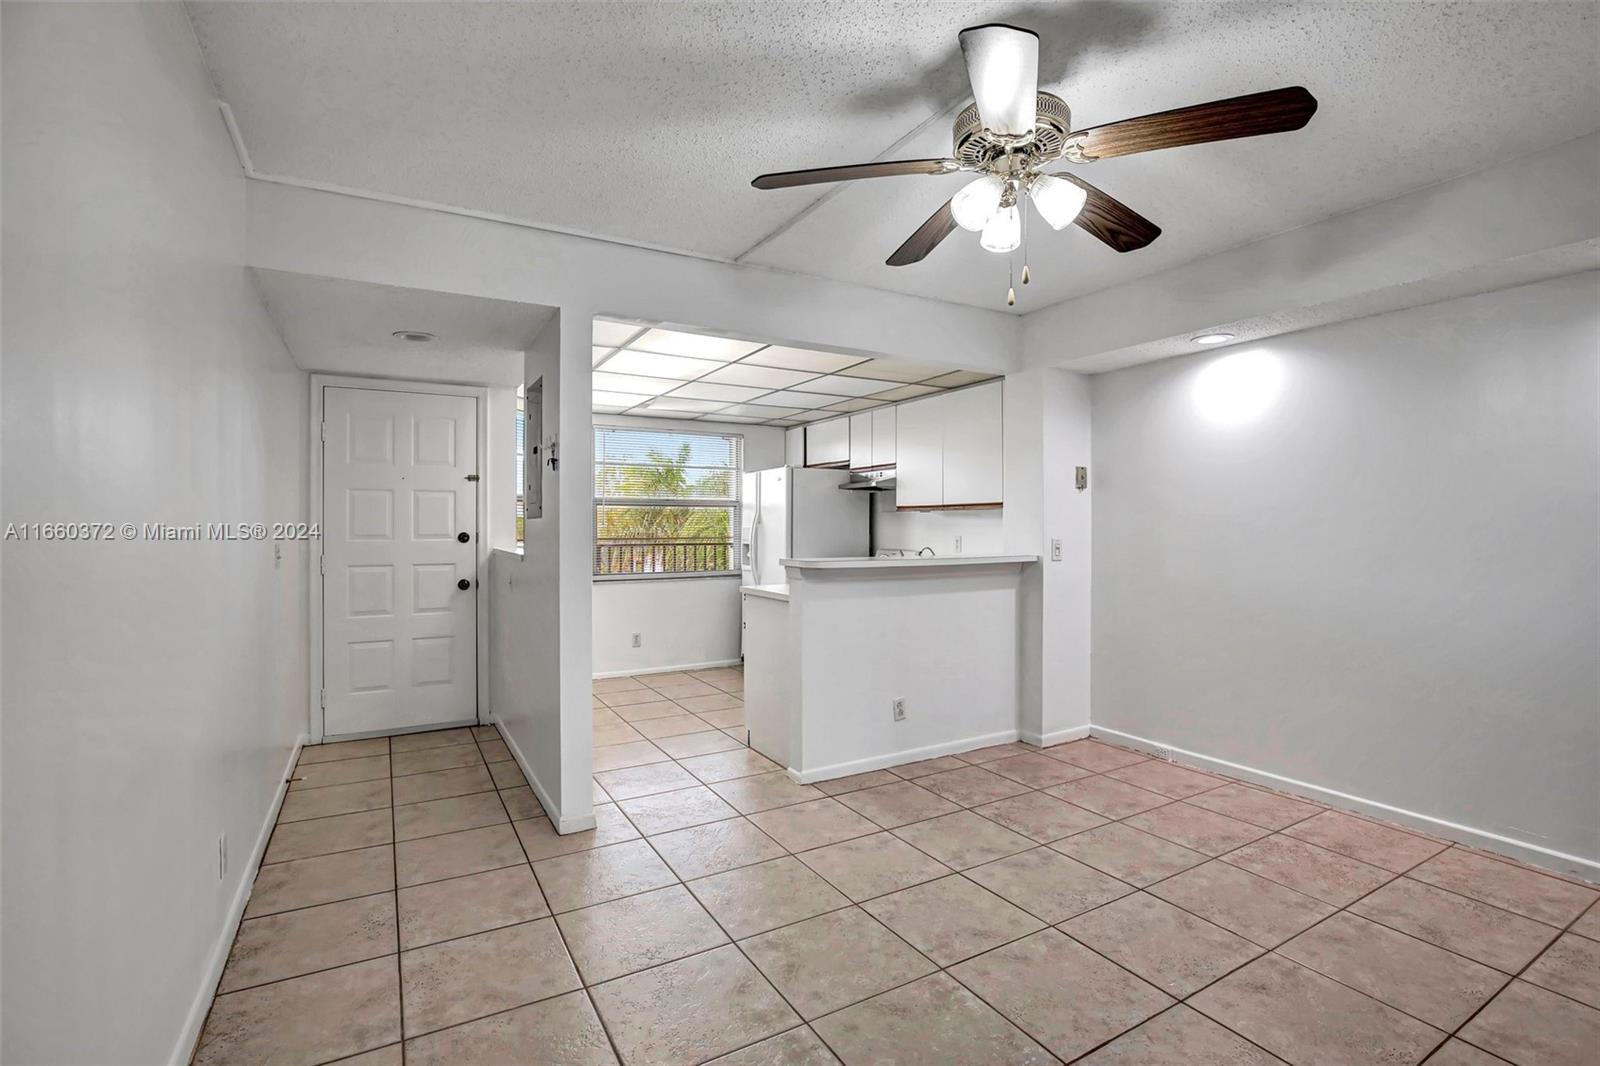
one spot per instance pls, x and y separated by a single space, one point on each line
524 610
153 692
681 621
1047 436
1365 557
855 634
981 532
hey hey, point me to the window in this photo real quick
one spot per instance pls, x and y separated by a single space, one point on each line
522 463
666 502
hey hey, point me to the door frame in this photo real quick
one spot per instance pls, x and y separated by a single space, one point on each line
480 394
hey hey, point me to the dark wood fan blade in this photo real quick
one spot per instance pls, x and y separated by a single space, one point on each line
1111 220
940 224
788 179
1275 111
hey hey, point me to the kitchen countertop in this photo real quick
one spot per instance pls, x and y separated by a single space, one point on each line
909 562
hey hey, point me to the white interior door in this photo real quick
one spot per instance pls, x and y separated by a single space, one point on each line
400 537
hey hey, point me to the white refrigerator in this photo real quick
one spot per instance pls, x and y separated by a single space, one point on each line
790 512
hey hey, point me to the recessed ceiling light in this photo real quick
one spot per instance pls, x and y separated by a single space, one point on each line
416 336
1212 338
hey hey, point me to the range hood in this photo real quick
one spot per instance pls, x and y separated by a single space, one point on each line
872 481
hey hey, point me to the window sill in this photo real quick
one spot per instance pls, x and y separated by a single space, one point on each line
607 578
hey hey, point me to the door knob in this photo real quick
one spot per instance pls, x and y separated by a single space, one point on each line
463 537
463 584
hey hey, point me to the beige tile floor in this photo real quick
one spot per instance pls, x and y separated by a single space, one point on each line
1084 903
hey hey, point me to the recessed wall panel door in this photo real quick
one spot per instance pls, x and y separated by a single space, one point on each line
399 633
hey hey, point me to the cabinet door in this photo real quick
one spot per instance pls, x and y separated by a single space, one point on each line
861 440
919 452
883 436
828 443
972 431
794 446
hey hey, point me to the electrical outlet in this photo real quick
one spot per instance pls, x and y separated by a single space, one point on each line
958 545
899 710
222 857
636 640
1055 550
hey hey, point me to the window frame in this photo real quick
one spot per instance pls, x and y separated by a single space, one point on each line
736 507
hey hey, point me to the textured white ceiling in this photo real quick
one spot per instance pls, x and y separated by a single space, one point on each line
346 327
644 121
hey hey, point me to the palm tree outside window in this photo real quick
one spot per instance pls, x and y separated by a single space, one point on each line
666 502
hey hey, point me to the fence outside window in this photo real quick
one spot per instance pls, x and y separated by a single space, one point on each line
666 502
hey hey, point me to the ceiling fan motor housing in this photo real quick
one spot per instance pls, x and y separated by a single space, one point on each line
977 148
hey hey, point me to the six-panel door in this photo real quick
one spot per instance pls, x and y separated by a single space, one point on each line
399 633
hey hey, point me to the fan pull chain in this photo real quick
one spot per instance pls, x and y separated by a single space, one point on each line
1026 275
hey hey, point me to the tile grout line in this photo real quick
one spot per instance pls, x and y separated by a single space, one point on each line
1456 1032
960 806
394 856
561 934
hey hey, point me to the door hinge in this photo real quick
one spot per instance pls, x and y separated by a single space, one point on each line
472 477
324 699
324 430
322 564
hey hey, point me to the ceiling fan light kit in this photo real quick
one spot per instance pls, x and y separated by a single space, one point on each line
1012 131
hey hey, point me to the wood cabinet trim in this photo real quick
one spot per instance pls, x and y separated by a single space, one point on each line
950 506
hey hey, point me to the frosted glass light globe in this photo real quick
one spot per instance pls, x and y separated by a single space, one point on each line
977 202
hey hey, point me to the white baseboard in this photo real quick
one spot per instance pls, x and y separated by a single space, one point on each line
900 758
1521 850
552 809
183 1051
1060 736
668 669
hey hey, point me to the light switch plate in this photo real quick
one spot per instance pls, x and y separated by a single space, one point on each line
1055 550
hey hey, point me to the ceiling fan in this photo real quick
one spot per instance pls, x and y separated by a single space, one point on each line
1012 131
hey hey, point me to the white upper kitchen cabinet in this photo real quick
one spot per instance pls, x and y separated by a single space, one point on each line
948 450
794 446
828 443
861 440
973 472
883 419
919 451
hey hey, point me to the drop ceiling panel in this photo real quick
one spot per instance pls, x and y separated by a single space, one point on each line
763 376
793 398
803 359
658 366
906 392
608 334
616 398
757 411
839 385
705 390
893 370
956 378
632 383
681 403
859 404
695 345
